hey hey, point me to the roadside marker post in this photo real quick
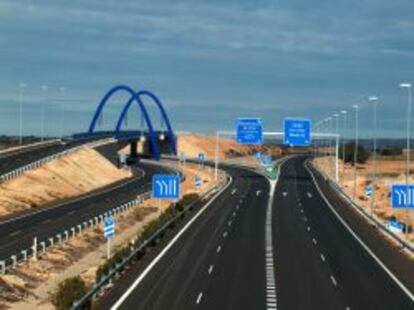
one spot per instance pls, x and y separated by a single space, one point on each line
197 181
201 160
109 233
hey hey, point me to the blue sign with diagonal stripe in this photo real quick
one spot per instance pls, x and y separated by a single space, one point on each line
109 227
166 186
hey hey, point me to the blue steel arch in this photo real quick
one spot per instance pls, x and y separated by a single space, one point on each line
133 98
163 114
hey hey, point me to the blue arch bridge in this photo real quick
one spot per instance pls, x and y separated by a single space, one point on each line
146 143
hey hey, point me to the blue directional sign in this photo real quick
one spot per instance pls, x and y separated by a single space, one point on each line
297 132
249 131
395 227
201 158
258 155
369 190
197 180
166 186
402 197
109 227
267 160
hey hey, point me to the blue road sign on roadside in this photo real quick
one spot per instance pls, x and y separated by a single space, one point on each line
297 132
197 180
259 155
249 131
166 186
395 227
369 190
267 160
109 227
402 197
201 158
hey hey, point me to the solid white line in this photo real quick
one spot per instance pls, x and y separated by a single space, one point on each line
165 250
199 298
379 262
334 281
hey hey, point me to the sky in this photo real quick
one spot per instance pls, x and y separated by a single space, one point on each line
209 62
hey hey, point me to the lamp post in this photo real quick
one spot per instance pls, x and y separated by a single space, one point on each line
344 113
374 100
62 91
42 113
407 170
22 86
356 107
336 117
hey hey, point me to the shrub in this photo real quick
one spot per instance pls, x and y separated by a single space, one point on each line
363 153
68 291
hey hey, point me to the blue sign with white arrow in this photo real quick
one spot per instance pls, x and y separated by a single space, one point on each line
395 227
109 227
402 197
201 158
297 132
197 180
369 190
166 186
249 131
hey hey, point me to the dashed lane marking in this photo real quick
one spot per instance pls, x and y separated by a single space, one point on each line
225 234
218 249
210 269
309 194
200 295
323 257
334 281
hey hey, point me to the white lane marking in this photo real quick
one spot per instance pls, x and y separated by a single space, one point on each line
237 207
165 250
200 295
334 280
229 223
308 228
258 192
323 257
309 194
15 233
218 249
284 194
314 241
372 254
210 269
301 210
234 191
234 214
225 234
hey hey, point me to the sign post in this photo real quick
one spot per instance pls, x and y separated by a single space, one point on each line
201 160
109 233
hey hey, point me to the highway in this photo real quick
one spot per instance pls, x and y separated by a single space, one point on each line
222 259
218 263
17 233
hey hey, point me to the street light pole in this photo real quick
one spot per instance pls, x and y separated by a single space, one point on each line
344 113
407 172
21 87
356 107
62 90
42 113
336 116
374 99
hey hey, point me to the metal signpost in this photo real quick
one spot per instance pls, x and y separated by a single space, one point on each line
166 186
109 232
201 159
297 132
258 155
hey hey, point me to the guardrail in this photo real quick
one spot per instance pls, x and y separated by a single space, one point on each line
92 223
107 279
368 216
36 164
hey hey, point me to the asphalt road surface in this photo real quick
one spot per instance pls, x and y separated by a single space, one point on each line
17 233
223 259
218 263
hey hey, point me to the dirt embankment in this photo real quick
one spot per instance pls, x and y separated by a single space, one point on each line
72 175
388 171
31 285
